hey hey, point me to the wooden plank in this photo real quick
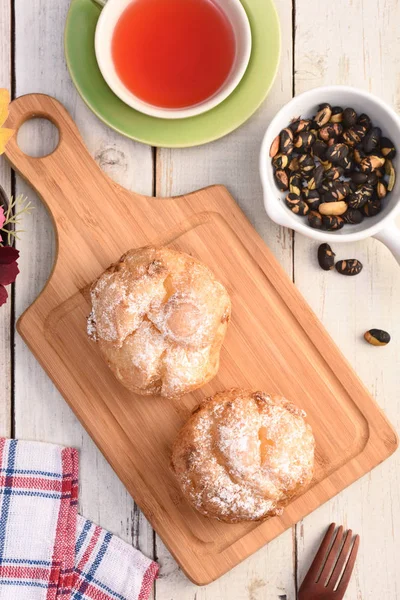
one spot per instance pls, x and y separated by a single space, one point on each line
5 182
355 43
40 411
269 574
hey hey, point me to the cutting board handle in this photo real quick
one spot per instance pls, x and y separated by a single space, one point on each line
32 106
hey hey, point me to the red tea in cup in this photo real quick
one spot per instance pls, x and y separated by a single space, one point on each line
173 53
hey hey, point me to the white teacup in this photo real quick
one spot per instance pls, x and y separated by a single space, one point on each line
108 19
383 225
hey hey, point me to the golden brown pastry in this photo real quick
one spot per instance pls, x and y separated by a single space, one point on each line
159 317
243 455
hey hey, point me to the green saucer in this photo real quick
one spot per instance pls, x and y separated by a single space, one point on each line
177 133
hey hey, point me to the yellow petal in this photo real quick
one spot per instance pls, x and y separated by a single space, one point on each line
5 135
4 102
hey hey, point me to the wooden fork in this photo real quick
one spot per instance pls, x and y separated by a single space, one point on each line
331 569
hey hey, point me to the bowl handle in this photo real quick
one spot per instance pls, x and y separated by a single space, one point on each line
390 236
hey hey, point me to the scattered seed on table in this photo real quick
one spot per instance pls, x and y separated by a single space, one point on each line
326 257
377 337
349 267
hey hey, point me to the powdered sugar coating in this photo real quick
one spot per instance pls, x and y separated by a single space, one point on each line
242 455
159 317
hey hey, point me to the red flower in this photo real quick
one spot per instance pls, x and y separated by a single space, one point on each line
8 269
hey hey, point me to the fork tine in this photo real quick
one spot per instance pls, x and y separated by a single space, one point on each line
332 557
344 553
344 582
319 558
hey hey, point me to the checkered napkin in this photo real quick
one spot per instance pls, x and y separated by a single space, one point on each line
48 551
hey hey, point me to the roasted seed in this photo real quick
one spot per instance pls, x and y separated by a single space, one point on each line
370 163
337 114
312 198
372 207
326 164
372 138
354 135
306 163
336 152
372 178
323 115
280 161
315 219
353 216
281 179
295 181
316 180
286 141
349 267
377 337
346 163
273 151
381 189
340 190
357 199
326 257
294 164
358 154
304 141
292 200
319 149
358 178
349 117
387 148
364 120
391 173
328 132
300 125
334 173
332 222
333 208
301 208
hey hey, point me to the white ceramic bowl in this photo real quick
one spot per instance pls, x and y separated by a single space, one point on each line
109 16
381 226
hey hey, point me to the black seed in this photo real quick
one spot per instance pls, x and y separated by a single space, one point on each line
295 183
304 141
326 257
294 164
337 114
358 178
334 173
286 141
315 219
300 125
346 163
372 178
349 117
292 200
387 148
357 199
301 208
306 163
323 115
349 267
364 120
377 337
332 223
281 179
353 216
340 190
280 161
372 207
316 180
312 198
354 135
319 149
328 132
372 162
372 138
358 154
337 152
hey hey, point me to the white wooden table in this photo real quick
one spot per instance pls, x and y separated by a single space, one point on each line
353 42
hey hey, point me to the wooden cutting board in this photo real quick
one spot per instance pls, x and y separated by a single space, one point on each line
274 343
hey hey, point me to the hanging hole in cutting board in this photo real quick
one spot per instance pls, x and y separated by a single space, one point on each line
38 137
